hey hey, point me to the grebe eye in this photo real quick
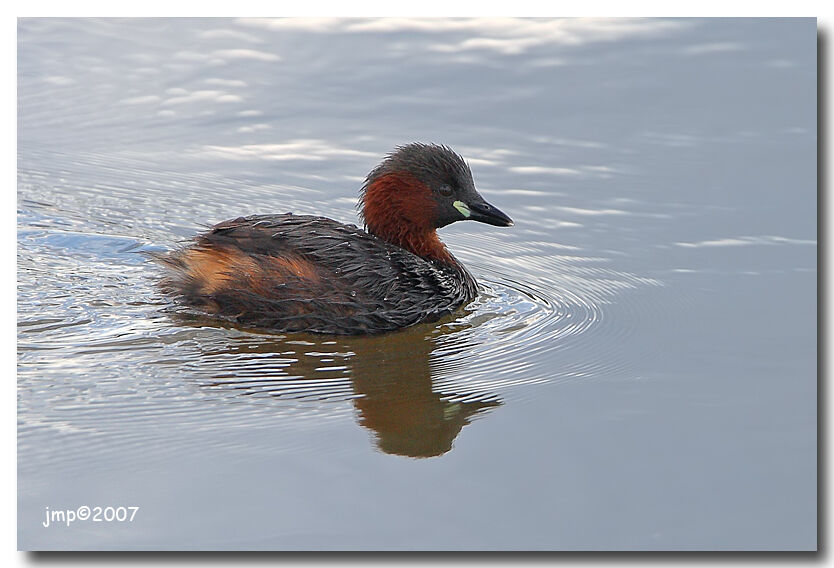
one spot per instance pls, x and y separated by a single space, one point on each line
445 190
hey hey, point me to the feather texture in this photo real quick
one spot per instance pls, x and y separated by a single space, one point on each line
304 273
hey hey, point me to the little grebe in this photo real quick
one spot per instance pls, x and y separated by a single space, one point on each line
303 273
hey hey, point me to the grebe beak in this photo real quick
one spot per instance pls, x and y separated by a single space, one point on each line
486 213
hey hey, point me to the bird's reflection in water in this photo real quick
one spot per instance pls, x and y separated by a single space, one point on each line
390 377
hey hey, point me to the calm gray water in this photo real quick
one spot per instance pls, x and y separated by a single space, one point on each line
638 373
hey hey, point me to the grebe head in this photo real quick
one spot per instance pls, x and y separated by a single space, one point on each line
419 188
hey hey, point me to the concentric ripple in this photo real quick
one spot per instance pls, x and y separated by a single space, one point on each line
517 332
541 324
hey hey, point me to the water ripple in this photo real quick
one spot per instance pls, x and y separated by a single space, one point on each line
543 312
508 337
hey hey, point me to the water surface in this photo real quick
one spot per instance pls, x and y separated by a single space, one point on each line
639 371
